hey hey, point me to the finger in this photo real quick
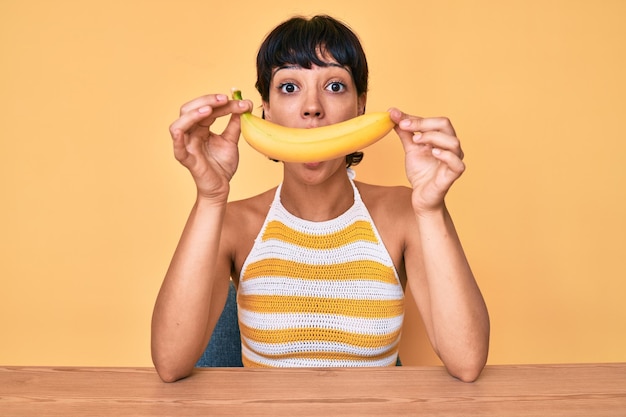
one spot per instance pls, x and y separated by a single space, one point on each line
205 116
178 142
427 124
187 121
421 124
439 140
451 160
200 111
409 123
407 130
191 118
211 100
397 115
233 128
404 122
406 136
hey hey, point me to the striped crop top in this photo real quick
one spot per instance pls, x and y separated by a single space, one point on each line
319 294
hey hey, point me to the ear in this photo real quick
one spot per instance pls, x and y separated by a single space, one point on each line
361 103
266 110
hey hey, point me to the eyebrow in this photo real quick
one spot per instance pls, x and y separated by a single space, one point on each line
329 64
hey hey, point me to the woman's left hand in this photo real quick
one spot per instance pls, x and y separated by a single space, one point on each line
433 158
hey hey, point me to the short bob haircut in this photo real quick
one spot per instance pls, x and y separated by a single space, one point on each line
298 41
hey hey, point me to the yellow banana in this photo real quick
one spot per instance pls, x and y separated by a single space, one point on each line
316 144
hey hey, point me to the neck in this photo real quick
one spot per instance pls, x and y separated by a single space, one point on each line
318 202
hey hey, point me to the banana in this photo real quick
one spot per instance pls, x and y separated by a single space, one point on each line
317 144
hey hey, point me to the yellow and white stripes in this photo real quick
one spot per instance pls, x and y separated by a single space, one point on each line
319 294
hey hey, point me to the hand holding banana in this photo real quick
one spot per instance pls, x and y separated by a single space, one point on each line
289 144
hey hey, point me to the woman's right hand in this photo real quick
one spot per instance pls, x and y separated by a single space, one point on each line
211 158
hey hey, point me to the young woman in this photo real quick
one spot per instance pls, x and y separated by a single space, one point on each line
322 260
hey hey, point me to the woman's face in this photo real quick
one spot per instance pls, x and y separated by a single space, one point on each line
319 96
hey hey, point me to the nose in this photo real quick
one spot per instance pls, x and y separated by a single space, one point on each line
312 107
314 114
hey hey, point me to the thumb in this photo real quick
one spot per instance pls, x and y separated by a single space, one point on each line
403 127
233 128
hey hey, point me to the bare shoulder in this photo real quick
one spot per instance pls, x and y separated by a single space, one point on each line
248 213
242 222
391 210
392 213
390 201
258 204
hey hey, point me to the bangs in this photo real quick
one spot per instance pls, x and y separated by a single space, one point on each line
306 46
320 41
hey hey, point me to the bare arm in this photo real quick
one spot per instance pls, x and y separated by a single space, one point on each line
448 298
442 282
192 295
194 290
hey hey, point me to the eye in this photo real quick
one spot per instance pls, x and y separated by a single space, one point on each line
287 88
336 87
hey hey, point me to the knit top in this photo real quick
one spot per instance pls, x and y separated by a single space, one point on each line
319 294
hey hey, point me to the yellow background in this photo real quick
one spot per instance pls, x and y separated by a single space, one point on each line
93 201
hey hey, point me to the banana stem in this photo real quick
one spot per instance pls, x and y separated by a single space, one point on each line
237 95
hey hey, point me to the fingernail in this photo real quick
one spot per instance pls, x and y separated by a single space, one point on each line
204 109
405 123
221 97
417 136
436 151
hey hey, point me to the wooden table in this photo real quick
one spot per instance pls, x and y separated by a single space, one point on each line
544 390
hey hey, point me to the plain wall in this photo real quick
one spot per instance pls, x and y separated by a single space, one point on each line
93 201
